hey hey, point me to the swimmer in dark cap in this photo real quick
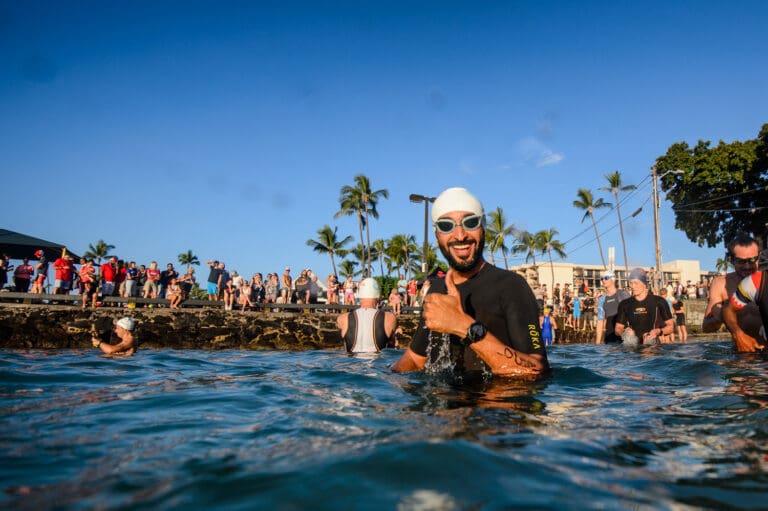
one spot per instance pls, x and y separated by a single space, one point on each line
644 317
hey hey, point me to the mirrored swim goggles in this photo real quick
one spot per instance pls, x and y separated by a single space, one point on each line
468 223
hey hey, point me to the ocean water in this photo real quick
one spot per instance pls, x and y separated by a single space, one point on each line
660 427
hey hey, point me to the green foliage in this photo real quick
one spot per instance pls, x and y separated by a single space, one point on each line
615 186
386 284
496 232
99 251
196 293
587 202
328 242
401 248
526 244
722 190
360 201
546 242
188 259
347 269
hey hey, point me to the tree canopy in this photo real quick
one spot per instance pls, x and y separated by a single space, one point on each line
722 190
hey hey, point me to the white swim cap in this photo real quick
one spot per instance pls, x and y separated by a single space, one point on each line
126 323
456 199
368 288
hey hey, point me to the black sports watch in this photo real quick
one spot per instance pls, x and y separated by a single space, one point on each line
475 332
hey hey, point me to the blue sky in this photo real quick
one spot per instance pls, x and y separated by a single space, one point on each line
229 128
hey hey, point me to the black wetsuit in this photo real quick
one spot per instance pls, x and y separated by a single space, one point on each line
643 316
380 338
503 302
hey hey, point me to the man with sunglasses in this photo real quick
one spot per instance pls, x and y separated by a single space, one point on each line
478 317
743 253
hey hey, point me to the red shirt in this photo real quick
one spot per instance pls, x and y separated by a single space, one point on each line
64 268
153 274
108 272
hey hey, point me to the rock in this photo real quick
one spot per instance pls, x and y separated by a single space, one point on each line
62 326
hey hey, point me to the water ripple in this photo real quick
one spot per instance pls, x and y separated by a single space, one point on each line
662 427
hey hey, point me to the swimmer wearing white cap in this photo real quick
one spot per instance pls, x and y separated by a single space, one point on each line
124 330
490 314
367 329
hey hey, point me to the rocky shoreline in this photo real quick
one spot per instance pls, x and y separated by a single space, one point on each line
24 326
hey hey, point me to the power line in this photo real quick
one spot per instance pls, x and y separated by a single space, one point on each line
721 197
755 208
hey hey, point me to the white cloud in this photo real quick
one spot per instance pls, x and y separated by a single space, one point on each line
534 151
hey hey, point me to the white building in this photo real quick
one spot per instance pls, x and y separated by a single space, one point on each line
569 273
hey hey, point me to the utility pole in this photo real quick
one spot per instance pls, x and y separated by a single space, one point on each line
656 232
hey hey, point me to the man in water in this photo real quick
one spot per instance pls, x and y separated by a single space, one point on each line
643 317
752 290
367 329
489 314
613 296
742 252
124 331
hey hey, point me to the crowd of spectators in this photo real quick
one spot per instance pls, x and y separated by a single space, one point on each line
579 307
127 279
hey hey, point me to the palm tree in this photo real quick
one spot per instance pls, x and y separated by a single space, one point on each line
526 243
615 186
721 265
378 246
101 250
189 259
547 243
489 237
361 201
499 230
589 205
347 268
358 252
327 242
399 248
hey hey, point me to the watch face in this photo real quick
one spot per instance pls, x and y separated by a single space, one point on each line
476 332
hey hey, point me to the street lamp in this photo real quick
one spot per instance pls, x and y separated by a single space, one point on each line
416 198
657 233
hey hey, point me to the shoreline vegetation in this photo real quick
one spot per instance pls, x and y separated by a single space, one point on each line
47 326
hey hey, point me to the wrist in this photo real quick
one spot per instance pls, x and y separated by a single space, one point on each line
475 332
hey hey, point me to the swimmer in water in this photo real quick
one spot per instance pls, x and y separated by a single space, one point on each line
124 330
367 329
489 316
643 317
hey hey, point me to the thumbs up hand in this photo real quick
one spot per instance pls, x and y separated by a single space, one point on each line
444 313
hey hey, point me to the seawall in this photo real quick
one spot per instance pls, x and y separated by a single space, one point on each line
62 326
26 326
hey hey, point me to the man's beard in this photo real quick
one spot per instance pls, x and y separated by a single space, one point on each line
471 263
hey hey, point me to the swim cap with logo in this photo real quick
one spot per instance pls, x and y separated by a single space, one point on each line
456 199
